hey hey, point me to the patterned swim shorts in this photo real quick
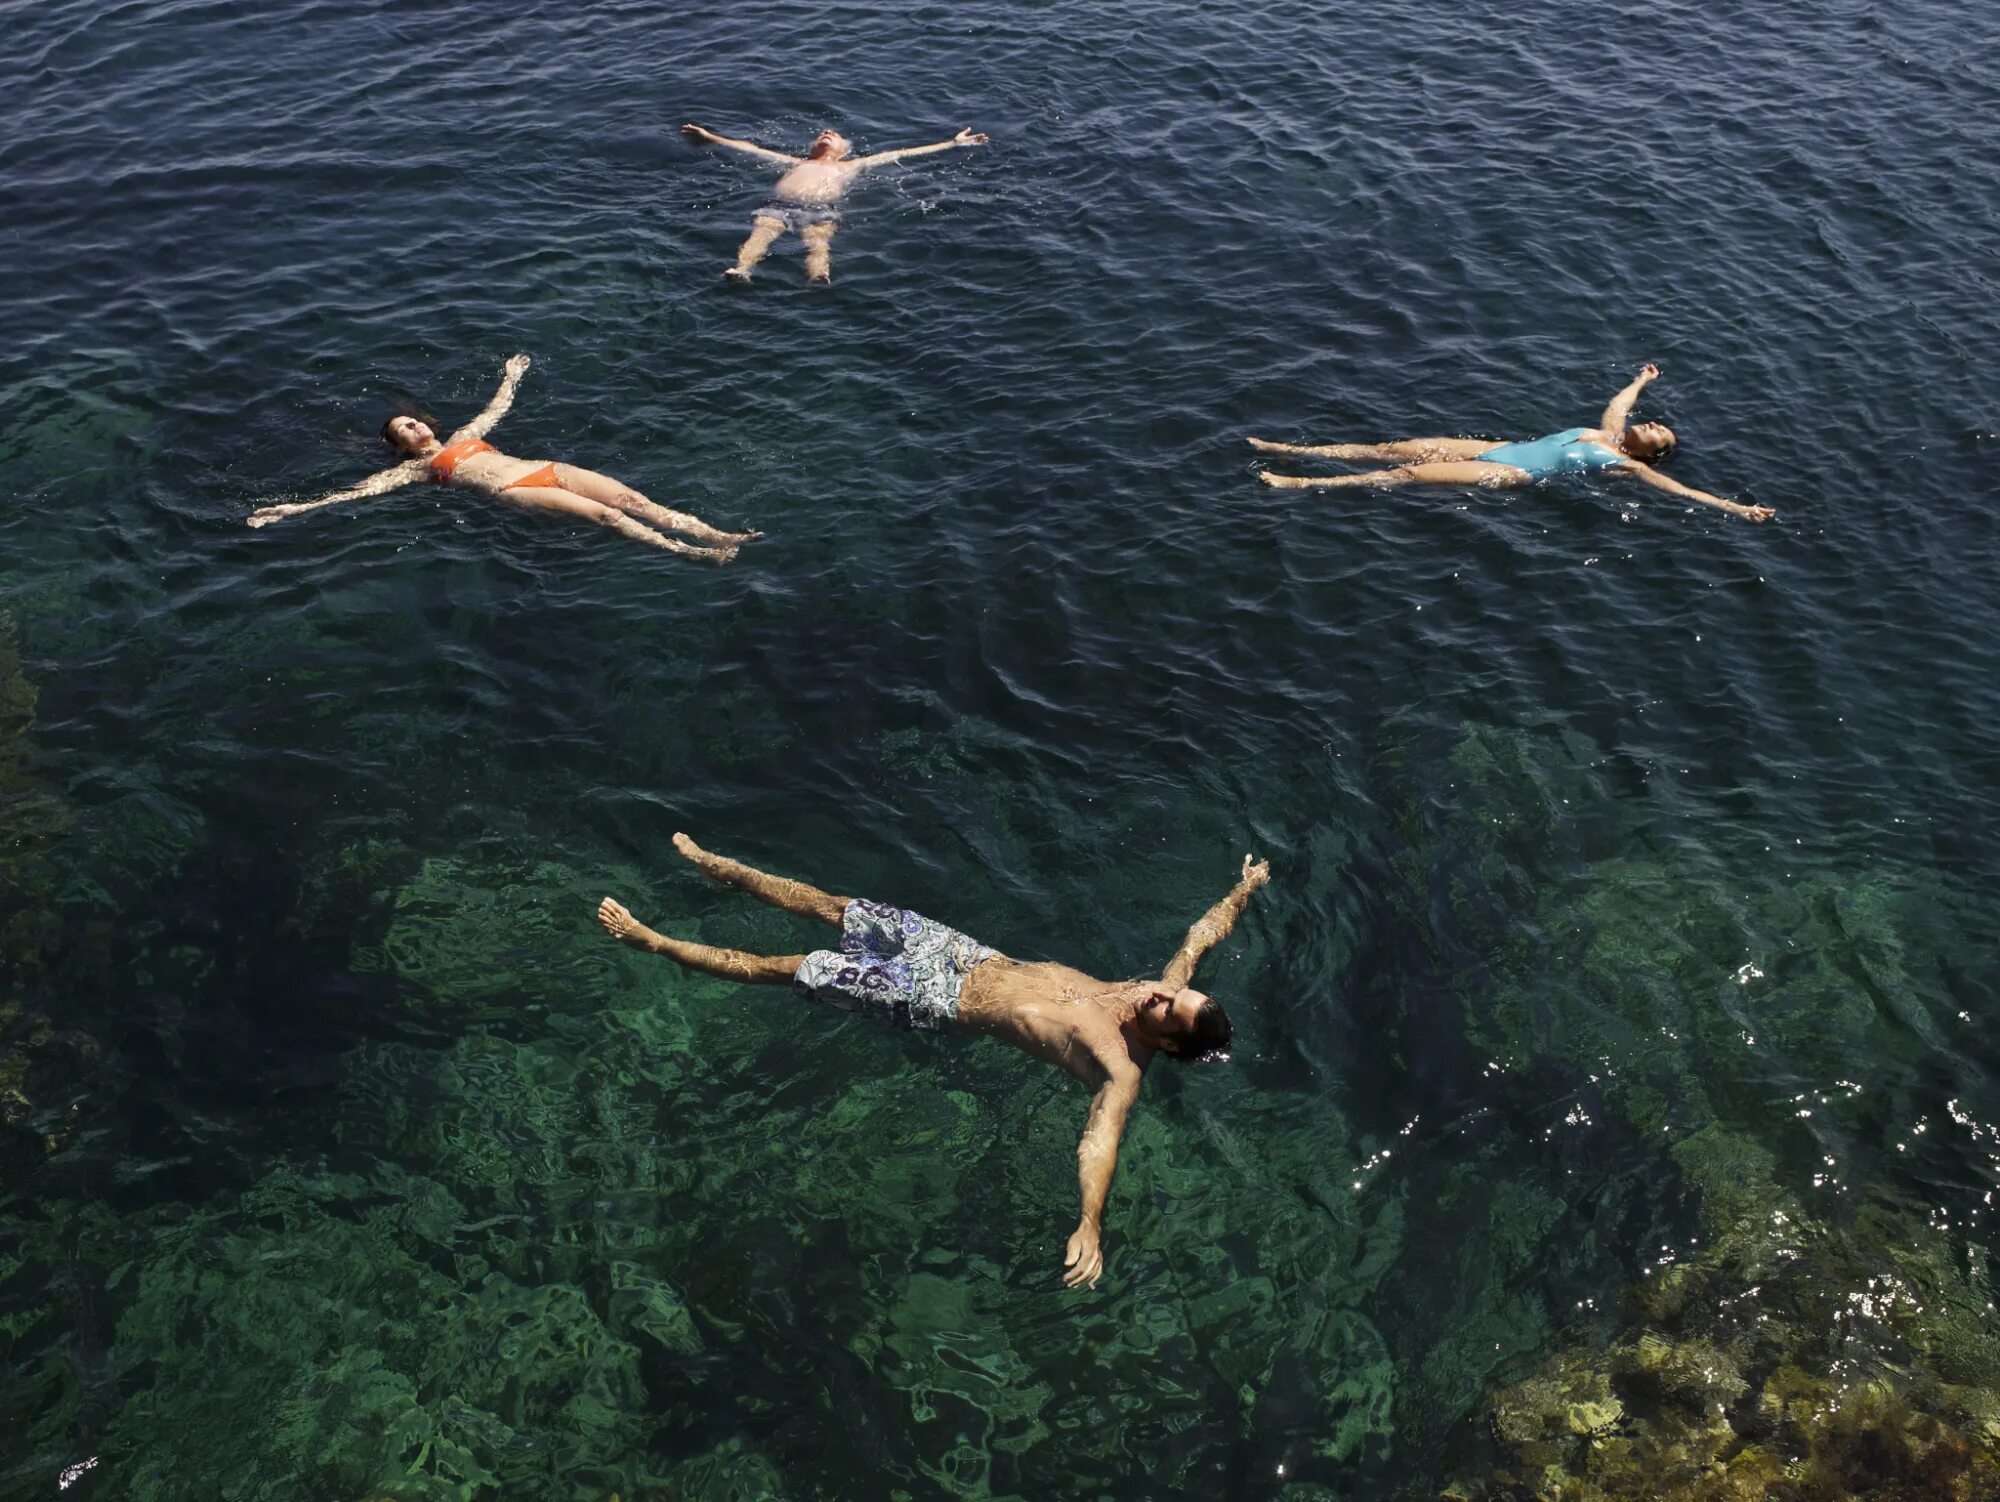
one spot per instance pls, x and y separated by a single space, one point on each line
892 964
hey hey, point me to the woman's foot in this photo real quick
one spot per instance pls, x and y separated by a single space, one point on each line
622 926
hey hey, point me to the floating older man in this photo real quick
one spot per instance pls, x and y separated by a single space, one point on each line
808 195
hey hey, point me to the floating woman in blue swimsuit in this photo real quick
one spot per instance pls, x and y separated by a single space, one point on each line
1611 446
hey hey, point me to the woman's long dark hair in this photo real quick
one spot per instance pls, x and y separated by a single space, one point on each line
407 408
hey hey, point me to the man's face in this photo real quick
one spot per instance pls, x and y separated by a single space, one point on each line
830 146
1170 1014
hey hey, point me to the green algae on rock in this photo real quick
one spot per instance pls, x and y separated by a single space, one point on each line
1788 1359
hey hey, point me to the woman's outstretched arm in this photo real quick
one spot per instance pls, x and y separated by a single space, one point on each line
1658 481
503 399
1615 416
966 137
406 473
748 148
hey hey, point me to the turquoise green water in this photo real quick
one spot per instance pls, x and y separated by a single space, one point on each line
1631 928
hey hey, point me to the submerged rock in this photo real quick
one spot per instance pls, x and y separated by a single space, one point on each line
1790 1360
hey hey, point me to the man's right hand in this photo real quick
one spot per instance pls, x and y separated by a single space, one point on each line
1255 872
1649 371
1084 1258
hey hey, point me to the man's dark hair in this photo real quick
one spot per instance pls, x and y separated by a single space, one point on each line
1208 1037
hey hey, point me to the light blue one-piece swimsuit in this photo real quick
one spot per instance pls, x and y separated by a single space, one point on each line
1564 453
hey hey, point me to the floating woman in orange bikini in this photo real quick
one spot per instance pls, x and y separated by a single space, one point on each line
468 460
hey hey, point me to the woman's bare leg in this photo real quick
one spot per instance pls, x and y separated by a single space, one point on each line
730 964
544 499
819 251
606 491
763 231
1406 450
779 891
1461 472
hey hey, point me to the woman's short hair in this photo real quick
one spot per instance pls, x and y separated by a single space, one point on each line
1660 448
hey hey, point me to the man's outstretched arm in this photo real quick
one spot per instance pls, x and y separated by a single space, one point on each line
1096 1159
1214 925
967 137
748 148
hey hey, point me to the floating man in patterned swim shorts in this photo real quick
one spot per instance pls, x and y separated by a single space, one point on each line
913 973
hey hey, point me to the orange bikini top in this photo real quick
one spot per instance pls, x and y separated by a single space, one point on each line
447 459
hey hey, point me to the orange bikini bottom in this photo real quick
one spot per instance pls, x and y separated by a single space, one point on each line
545 477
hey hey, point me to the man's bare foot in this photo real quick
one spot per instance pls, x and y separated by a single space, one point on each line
623 927
1272 448
1289 482
714 867
736 537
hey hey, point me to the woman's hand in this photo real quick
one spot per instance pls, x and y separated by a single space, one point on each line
695 132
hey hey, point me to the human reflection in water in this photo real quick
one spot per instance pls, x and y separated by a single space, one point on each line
470 462
1611 446
808 195
913 973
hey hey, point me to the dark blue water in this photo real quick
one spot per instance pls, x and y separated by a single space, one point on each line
344 1158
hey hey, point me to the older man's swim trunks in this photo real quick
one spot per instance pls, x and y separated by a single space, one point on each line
894 965
796 216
